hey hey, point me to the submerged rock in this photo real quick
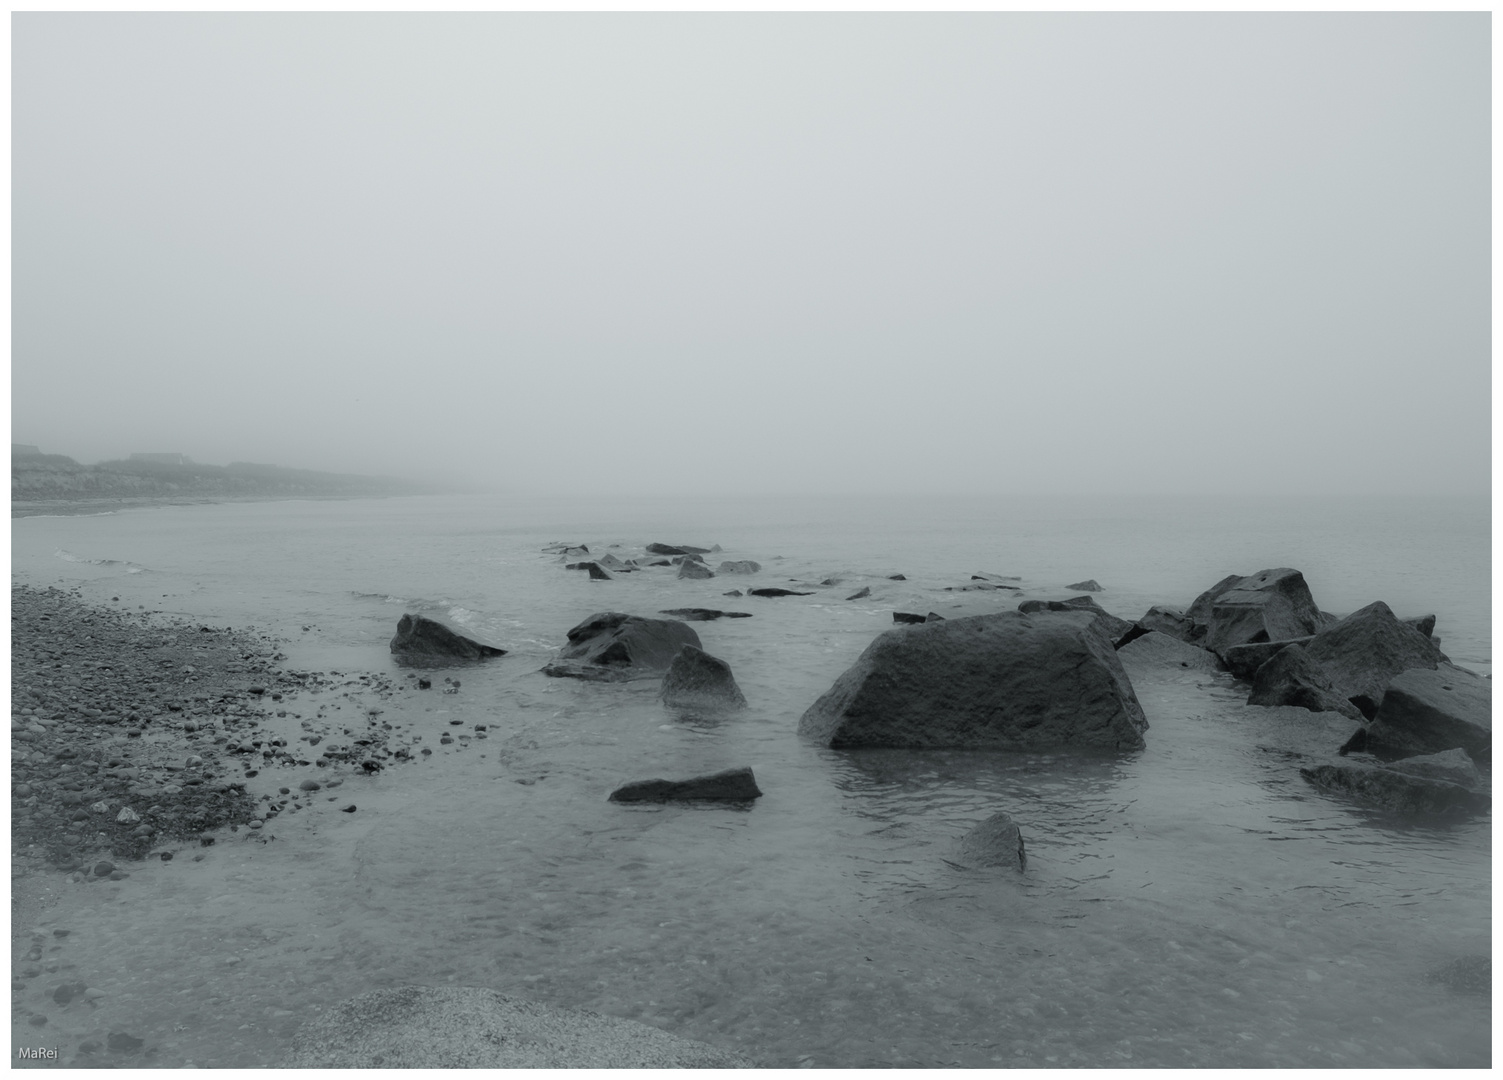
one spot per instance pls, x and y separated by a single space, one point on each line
1453 766
732 785
1425 710
472 1027
741 566
995 842
1088 585
421 640
776 592
1388 789
861 593
697 680
615 639
1009 681
699 614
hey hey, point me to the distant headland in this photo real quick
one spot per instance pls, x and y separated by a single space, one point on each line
54 483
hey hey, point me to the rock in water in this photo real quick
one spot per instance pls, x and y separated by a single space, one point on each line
697 570
1088 585
676 549
1290 677
1156 650
1426 710
699 614
1165 620
1391 790
614 639
776 592
741 566
421 640
472 1027
1452 765
1365 650
697 680
1243 661
733 785
906 617
995 842
861 593
1009 681
1271 605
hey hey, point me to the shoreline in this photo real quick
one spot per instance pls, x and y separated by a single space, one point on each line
85 507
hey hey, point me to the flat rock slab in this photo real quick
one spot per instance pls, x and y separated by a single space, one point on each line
1390 790
732 785
776 592
1007 681
471 1027
1425 710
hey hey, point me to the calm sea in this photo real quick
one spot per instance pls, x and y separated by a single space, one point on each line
1192 905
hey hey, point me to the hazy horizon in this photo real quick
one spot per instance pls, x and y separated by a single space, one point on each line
1172 253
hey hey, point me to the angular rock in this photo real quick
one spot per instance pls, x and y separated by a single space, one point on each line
596 573
1362 652
995 842
1168 620
1425 624
421 640
734 785
676 549
776 592
934 616
861 593
733 592
1243 661
1088 585
1199 610
694 570
1271 605
1390 790
1290 677
697 680
699 614
679 560
1425 710
614 639
896 577
1453 766
1160 650
1009 681
1113 627
471 1027
610 562
741 566
906 617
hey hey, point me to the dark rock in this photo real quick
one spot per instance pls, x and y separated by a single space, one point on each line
610 562
934 616
1453 766
699 614
1199 610
681 559
736 785
776 592
1168 620
1390 790
679 549
1088 585
1271 605
1362 652
104 869
1290 677
733 592
420 640
860 594
694 570
1465 975
1426 710
660 562
1162 651
1425 624
1113 627
995 842
596 572
1356 744
697 680
742 566
1243 661
614 639
906 617
896 577
1009 681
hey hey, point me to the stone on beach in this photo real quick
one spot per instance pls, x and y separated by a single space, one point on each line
697 680
1426 710
1009 681
995 842
420 639
732 785
471 1027
614 639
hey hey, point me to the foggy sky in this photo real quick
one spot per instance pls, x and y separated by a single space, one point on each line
739 253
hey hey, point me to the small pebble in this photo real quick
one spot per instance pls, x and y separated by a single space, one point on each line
309 785
103 869
256 823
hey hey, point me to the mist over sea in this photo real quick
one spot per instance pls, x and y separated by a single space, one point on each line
1196 904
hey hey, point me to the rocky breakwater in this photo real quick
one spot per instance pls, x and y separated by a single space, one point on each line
1009 681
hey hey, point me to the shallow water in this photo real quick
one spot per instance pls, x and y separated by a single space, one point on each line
1195 904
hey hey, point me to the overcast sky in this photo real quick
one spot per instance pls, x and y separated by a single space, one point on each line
737 253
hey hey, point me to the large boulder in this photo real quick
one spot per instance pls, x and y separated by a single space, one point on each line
1162 620
1425 710
740 566
1113 627
1009 681
697 680
995 842
473 1027
1388 789
732 785
1243 661
420 640
1365 650
612 639
1271 605
1291 677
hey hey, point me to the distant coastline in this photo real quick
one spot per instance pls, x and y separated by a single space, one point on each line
56 484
